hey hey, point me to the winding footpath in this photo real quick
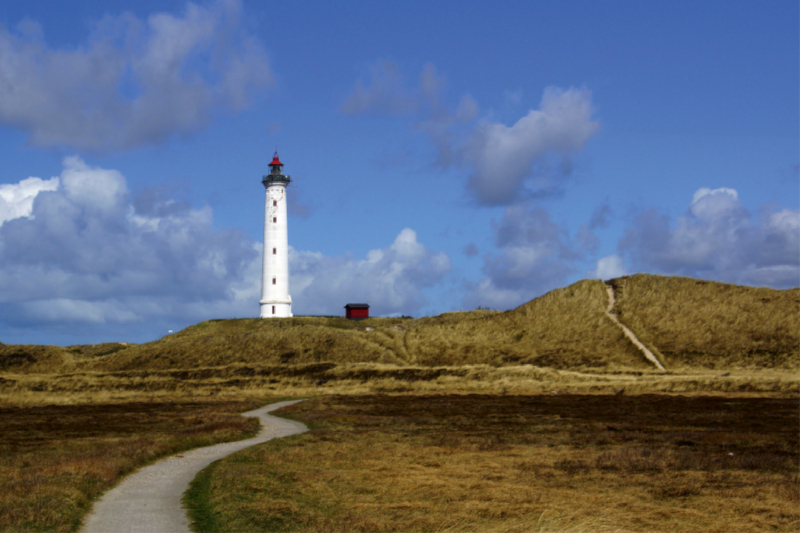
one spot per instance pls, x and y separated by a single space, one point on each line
628 333
150 500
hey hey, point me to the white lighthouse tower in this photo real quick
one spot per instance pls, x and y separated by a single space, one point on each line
275 299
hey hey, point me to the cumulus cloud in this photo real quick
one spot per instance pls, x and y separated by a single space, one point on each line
16 199
718 239
535 255
505 163
502 157
389 278
133 81
609 267
80 253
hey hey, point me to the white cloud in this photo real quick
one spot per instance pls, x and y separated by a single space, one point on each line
502 157
785 221
716 204
16 199
82 251
506 163
717 239
132 82
485 294
609 267
92 187
389 278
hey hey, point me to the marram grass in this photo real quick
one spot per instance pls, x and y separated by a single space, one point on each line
704 324
691 324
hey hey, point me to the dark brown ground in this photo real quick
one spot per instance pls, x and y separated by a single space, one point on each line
759 431
520 463
55 459
32 426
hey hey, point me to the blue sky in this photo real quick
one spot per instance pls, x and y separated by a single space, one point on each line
445 155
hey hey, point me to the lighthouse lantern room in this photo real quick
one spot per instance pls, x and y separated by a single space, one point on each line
275 299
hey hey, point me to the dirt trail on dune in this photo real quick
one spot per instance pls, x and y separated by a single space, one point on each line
628 333
150 500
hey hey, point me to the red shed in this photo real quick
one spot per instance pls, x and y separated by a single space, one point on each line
357 311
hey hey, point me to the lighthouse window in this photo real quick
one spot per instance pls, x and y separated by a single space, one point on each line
275 220
274 281
274 251
273 309
275 202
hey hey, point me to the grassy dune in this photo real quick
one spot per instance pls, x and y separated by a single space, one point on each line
703 324
692 324
566 328
711 337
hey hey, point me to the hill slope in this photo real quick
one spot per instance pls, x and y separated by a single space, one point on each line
690 323
565 328
696 323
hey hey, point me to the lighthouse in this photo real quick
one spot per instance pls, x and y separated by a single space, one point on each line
275 299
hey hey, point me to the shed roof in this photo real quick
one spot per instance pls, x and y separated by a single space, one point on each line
357 306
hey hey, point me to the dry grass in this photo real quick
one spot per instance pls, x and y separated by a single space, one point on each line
54 460
566 328
519 463
693 324
240 381
702 324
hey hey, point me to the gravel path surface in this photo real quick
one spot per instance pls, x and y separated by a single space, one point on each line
149 500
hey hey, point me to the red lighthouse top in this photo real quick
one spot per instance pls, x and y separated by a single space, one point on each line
275 174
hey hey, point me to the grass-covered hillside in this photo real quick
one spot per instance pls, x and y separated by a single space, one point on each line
696 323
689 323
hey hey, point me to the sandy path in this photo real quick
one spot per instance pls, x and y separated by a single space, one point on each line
149 500
628 333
